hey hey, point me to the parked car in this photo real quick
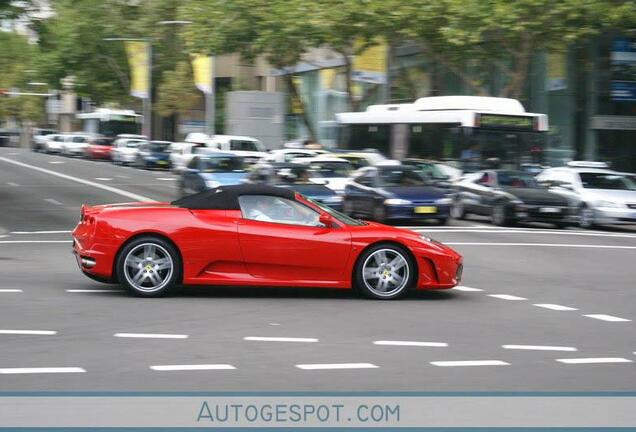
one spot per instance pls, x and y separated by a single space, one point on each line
39 138
54 143
210 171
298 177
251 149
181 153
75 144
124 150
255 235
391 193
509 197
601 196
98 148
333 172
153 154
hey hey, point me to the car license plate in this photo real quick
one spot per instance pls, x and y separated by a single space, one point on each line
162 162
425 210
549 210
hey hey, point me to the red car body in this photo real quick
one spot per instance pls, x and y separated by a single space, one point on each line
220 247
98 148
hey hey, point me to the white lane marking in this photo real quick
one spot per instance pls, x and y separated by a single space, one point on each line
29 332
279 339
151 335
329 366
56 162
103 178
513 231
192 367
555 307
274 324
591 360
13 184
38 370
506 297
7 290
166 178
465 288
609 318
34 241
540 245
410 343
42 232
92 290
470 363
79 180
13 154
53 201
539 347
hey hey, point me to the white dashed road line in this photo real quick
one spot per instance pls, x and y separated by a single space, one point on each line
28 332
279 339
166 178
468 289
56 162
192 367
41 370
555 307
540 232
470 363
53 201
34 241
42 232
79 180
410 343
539 347
331 366
103 178
151 336
92 290
609 318
565 245
13 184
506 297
594 360
10 290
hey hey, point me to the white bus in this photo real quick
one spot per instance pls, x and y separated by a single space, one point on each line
111 122
466 129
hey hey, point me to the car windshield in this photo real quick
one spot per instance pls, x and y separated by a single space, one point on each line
592 180
157 146
516 180
430 170
331 169
400 176
101 142
222 164
336 214
245 145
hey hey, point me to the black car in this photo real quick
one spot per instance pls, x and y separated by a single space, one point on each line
154 154
509 197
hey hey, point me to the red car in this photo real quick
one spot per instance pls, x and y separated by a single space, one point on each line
98 148
255 235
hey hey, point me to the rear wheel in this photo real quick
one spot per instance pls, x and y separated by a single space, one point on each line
385 272
149 267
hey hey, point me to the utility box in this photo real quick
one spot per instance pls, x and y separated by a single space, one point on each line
256 114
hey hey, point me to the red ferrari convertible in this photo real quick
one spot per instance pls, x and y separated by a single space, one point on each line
255 235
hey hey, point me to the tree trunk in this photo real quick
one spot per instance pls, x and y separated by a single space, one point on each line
296 95
353 105
520 71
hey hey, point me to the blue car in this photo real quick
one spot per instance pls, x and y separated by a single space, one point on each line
212 170
153 154
395 192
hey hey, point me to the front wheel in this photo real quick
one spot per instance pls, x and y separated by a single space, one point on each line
586 217
384 272
149 267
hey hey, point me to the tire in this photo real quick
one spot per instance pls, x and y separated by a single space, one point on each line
499 216
135 270
586 217
458 211
442 221
392 281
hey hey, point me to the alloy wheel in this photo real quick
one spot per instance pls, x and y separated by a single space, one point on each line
148 267
385 272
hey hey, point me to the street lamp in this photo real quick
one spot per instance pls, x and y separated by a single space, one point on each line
147 101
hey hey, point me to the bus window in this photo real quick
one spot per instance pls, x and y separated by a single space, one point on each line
363 136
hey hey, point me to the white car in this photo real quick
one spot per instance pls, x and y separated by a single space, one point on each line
53 143
601 195
125 149
333 172
181 153
288 154
250 148
75 144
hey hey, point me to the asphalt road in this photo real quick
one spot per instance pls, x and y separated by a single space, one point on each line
531 297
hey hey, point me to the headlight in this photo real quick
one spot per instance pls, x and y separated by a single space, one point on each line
212 184
444 201
607 204
333 199
396 201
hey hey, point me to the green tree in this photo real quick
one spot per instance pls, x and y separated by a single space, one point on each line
176 91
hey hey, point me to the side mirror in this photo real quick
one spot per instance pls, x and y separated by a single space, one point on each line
326 220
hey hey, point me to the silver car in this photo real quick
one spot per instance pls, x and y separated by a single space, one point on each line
602 196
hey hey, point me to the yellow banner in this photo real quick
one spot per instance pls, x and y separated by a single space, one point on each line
370 64
327 77
138 62
202 70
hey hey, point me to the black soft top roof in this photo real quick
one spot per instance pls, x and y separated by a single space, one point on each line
226 197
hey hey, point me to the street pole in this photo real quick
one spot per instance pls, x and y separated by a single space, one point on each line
147 101
210 101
